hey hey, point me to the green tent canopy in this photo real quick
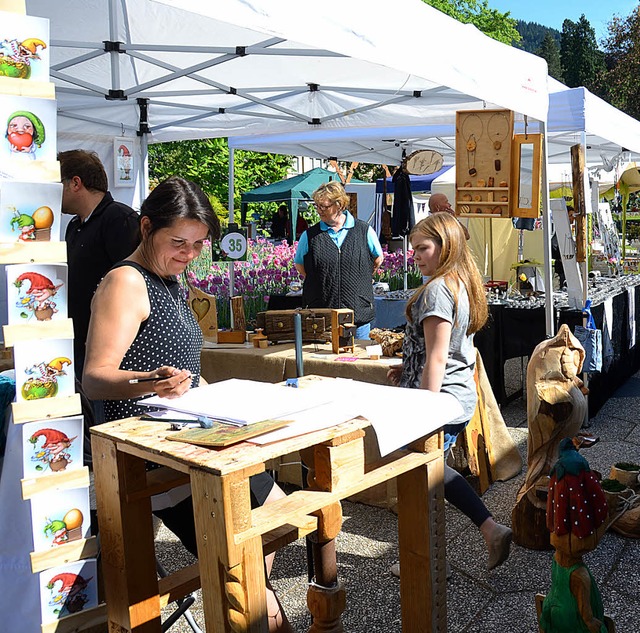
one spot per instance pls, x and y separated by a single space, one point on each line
290 191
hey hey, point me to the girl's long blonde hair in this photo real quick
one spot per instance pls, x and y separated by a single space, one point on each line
456 266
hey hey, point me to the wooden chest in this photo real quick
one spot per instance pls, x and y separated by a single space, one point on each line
277 325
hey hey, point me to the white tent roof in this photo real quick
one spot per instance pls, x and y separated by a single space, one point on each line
254 66
572 112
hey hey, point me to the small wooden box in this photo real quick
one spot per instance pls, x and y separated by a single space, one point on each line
231 336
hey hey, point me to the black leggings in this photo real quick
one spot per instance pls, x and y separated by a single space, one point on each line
458 492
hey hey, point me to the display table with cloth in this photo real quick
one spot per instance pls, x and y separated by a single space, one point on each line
233 538
514 332
278 362
390 313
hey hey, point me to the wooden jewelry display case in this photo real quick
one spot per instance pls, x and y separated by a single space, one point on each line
483 163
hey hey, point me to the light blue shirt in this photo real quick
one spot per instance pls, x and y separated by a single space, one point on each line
338 237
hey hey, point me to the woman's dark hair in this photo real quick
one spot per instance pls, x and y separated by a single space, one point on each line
178 199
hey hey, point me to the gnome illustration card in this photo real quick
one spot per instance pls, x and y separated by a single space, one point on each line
44 369
28 129
24 47
36 292
50 446
30 211
60 518
68 589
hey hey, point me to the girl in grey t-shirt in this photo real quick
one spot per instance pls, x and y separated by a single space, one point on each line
438 352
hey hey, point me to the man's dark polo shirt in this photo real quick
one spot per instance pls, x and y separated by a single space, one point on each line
109 235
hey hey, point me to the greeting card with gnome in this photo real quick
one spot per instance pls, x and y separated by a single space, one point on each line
577 516
29 130
36 292
68 589
24 47
30 211
52 446
43 369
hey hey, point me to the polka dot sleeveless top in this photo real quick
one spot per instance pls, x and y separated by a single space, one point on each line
170 336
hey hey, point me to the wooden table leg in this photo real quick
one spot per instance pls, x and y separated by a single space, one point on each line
326 596
126 538
421 537
232 576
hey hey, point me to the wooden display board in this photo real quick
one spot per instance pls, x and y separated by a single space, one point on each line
483 163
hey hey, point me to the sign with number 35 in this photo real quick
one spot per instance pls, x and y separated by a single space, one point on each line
233 245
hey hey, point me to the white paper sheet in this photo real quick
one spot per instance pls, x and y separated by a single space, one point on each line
241 402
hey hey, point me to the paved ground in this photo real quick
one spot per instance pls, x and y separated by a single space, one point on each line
478 601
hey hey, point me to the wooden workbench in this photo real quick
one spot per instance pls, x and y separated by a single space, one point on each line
232 538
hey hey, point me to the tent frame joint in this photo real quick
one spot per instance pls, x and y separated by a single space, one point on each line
113 47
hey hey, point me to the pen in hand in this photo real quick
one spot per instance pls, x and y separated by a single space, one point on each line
135 381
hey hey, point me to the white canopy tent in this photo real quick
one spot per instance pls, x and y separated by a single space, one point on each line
183 69
575 116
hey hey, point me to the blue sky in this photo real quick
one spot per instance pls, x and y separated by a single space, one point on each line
553 12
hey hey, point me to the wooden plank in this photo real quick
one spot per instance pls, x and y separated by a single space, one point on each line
53 482
421 542
22 88
160 480
78 621
127 541
34 252
179 584
255 586
216 554
337 466
63 554
41 330
295 506
46 408
579 201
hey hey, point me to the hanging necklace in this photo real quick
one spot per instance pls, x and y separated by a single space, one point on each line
176 302
498 132
472 130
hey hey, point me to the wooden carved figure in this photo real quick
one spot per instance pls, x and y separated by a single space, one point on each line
576 518
556 407
203 306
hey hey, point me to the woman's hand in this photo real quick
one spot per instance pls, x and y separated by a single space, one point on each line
172 382
394 374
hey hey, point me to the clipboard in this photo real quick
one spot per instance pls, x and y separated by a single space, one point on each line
221 435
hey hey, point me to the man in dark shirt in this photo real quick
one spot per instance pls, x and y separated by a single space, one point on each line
102 233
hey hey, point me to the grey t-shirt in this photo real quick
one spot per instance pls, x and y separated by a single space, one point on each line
437 300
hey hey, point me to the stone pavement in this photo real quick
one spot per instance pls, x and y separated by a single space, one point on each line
478 601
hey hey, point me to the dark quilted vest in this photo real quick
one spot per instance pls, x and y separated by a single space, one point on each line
340 277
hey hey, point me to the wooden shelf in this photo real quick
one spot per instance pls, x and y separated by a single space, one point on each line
482 203
483 188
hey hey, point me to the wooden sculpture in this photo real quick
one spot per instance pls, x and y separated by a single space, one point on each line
204 309
343 331
238 332
556 408
576 519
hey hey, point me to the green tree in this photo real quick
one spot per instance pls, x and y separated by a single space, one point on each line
622 49
206 162
582 60
499 26
550 51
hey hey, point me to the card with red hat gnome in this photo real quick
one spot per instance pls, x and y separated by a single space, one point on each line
54 445
36 292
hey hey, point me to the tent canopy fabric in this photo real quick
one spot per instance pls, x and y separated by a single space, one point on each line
300 187
184 69
418 183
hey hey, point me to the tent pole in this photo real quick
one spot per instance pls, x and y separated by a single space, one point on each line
405 241
546 242
114 55
231 220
